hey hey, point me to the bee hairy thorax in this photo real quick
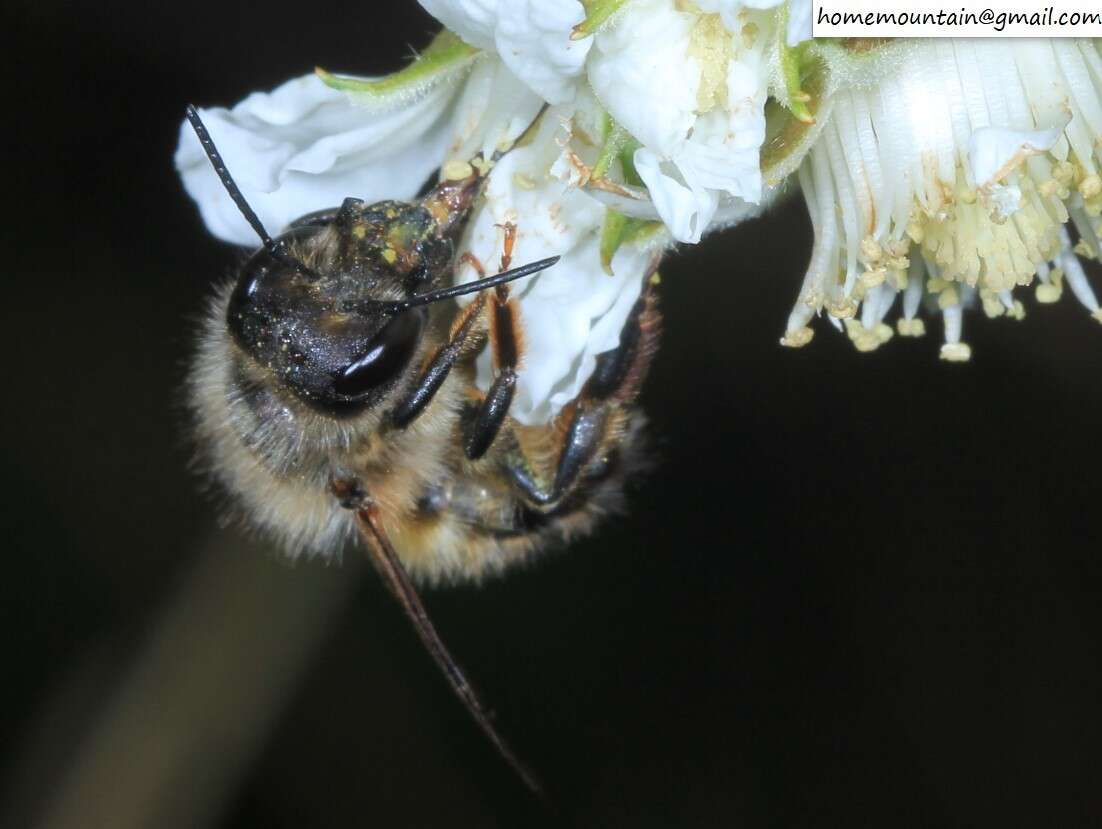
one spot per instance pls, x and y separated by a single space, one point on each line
314 381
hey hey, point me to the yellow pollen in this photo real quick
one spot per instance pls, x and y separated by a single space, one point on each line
797 338
870 279
1048 294
956 352
523 181
992 305
749 35
871 251
910 328
948 298
842 309
971 247
390 256
710 44
456 170
899 248
1090 187
1049 188
866 339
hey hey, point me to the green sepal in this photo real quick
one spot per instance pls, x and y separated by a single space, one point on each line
597 13
619 229
627 162
805 80
446 55
790 130
792 61
612 233
616 144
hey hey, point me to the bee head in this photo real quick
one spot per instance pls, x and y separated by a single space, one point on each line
332 332
334 309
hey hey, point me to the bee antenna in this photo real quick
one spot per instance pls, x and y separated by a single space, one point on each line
468 287
276 248
386 561
397 306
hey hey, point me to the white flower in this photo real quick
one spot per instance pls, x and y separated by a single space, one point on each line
690 87
303 147
937 171
307 146
950 180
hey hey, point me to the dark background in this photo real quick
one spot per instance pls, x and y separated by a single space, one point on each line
858 590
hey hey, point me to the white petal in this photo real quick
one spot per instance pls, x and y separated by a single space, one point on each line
799 21
995 152
493 109
472 20
1004 200
306 147
609 300
642 73
686 209
532 37
568 319
634 202
734 211
724 150
551 217
727 10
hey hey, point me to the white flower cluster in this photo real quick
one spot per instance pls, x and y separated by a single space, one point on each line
660 113
943 171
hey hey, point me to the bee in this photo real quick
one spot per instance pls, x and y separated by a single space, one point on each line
334 397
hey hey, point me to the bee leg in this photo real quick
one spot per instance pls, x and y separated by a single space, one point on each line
483 428
464 339
600 412
507 352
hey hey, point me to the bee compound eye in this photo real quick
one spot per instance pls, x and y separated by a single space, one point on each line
386 354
